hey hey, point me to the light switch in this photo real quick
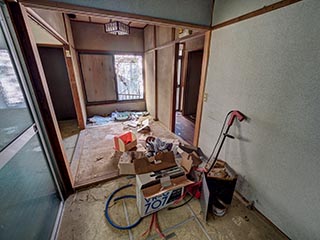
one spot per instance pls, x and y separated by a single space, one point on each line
205 97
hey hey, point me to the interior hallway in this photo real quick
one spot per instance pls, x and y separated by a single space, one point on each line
184 128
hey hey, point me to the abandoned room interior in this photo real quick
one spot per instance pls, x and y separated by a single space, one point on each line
137 119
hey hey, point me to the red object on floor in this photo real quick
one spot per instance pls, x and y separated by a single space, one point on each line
154 221
125 141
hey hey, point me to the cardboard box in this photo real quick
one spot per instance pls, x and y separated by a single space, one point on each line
152 198
126 165
164 160
125 142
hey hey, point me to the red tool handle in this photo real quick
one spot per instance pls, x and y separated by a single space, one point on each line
236 114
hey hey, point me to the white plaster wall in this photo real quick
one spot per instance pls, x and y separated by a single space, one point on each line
268 67
190 11
225 10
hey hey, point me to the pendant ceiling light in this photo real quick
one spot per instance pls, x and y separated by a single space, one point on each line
117 28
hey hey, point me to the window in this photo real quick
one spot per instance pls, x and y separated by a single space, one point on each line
128 69
109 78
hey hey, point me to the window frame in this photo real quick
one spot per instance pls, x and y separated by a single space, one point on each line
112 53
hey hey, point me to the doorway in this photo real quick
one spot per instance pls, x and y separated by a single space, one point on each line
189 63
54 66
31 202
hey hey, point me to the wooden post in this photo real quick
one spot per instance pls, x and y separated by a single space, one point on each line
205 60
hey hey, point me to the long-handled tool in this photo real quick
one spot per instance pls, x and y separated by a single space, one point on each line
234 114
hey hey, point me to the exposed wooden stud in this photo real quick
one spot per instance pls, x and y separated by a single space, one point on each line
94 12
29 49
74 89
50 45
184 77
255 13
155 74
205 61
174 86
72 76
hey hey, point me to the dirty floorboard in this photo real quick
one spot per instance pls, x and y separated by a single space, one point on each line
84 219
184 128
95 159
69 133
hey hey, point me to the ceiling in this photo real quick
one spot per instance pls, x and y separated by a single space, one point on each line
103 20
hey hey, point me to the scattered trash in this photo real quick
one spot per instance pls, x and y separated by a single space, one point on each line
99 120
125 142
155 145
117 116
99 158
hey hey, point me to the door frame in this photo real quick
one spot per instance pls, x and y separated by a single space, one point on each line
204 68
19 18
37 127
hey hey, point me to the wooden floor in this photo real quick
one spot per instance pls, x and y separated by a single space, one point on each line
69 133
184 128
95 159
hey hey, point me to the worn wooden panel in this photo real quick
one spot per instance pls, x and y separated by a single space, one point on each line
149 41
195 44
105 109
54 19
91 36
150 84
165 70
75 78
99 77
41 36
164 35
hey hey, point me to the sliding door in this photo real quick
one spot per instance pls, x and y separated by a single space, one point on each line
30 202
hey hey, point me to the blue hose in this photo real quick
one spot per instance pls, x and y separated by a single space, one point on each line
116 199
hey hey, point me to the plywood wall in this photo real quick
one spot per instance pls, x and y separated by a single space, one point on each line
54 19
165 70
159 73
149 68
92 36
98 77
150 85
194 44
149 41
